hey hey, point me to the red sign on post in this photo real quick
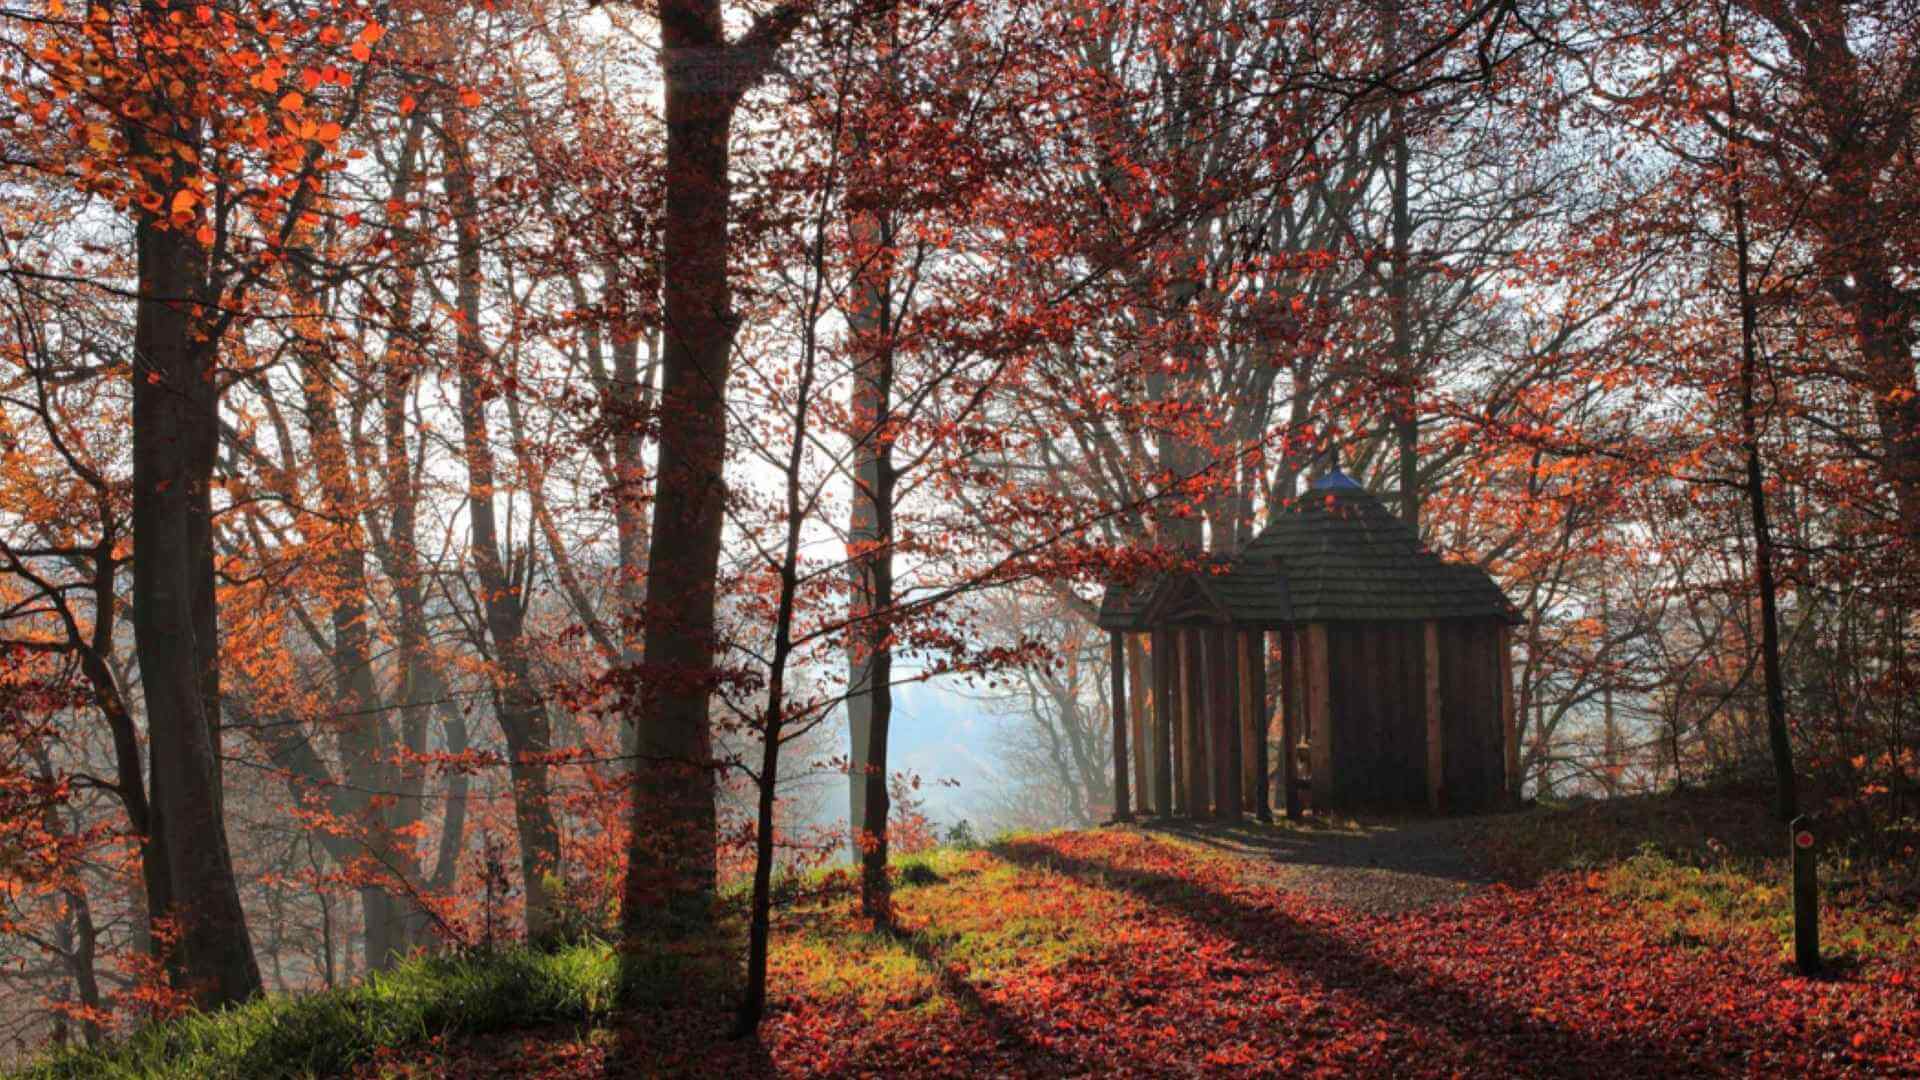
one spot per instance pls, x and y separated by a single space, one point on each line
1803 838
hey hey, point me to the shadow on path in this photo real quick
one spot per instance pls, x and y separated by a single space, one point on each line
1493 1037
1382 867
1011 1036
679 1024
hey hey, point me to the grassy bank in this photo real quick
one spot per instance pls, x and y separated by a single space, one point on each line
329 1033
1702 869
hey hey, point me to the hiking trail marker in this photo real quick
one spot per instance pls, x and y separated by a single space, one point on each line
1806 895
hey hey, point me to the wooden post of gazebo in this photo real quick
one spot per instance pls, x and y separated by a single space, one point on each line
1289 723
1259 722
1316 669
1117 663
1139 737
1436 757
1164 670
1243 688
1177 710
1223 645
1194 716
1509 720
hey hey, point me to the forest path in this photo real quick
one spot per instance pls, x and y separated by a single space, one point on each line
1380 866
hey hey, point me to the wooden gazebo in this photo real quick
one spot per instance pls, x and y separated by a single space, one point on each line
1394 664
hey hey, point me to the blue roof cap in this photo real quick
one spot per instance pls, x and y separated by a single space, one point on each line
1335 480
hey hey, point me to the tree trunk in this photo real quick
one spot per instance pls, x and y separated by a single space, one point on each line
760 922
630 400
519 705
175 431
1117 671
365 736
869 315
453 822
874 890
1406 420
419 680
1778 737
671 852
130 784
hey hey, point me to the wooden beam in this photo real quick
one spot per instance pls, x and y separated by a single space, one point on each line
1289 724
1241 643
1436 759
1319 715
1222 643
1117 665
1165 669
1194 716
1508 729
1259 722
1141 736
1177 707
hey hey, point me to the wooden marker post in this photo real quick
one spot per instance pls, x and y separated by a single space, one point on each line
1806 895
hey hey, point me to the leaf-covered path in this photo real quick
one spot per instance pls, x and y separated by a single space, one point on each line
1377 867
1122 952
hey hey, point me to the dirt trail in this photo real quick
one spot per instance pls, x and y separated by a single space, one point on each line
1377 866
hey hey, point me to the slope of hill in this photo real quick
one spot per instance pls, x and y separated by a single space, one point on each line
1629 939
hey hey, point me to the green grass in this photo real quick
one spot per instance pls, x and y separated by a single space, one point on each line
1703 868
327 1033
1696 906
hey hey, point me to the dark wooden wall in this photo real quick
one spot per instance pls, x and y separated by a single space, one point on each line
1377 722
1473 742
1376 731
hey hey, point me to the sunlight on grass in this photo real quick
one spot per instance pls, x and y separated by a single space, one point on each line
999 956
962 914
874 969
328 1033
1702 870
1698 907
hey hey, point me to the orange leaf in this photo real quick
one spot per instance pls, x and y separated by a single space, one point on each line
406 104
470 97
292 102
361 52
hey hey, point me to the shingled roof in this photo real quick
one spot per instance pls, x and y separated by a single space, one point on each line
1122 604
1336 555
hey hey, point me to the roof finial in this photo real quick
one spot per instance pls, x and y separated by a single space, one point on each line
1333 479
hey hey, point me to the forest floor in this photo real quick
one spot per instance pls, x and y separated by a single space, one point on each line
1381 867
1644 938
1636 937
